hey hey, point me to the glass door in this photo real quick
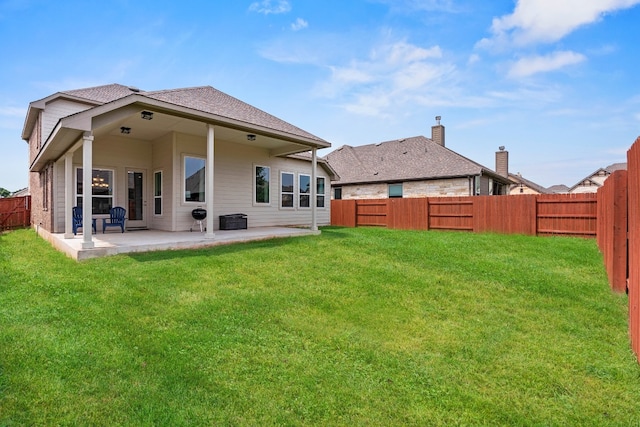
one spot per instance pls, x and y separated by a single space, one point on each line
137 204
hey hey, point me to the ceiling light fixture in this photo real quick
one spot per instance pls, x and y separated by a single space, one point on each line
146 115
125 130
251 137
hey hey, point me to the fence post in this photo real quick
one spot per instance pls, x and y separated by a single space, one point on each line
619 274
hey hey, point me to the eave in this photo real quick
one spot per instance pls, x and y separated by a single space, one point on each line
69 129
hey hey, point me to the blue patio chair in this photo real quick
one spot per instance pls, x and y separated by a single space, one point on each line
77 220
116 218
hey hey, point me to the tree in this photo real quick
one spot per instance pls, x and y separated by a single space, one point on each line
4 192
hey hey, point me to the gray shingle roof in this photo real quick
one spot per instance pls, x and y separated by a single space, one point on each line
616 167
400 160
102 94
205 99
558 188
213 101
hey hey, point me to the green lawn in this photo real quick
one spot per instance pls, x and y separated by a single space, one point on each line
361 326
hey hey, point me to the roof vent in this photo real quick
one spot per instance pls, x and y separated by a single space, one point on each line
134 89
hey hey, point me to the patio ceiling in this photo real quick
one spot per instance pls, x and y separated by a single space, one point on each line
163 123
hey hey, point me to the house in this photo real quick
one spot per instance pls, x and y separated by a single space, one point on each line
558 189
411 167
592 182
522 185
162 154
20 193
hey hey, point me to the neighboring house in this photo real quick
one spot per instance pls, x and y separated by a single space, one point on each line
591 183
410 167
524 186
20 193
161 154
558 189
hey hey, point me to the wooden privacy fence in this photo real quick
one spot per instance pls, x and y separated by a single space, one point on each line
612 228
633 213
618 236
557 214
15 212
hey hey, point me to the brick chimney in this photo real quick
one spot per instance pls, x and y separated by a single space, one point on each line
502 162
437 132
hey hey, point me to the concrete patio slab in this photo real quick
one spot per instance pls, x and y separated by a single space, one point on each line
113 243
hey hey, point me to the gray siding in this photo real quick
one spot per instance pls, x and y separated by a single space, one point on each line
233 180
57 109
233 183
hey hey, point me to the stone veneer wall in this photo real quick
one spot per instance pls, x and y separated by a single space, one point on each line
430 188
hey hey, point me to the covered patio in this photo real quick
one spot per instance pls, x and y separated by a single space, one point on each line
160 156
113 243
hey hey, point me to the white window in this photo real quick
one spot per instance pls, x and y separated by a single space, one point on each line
101 190
194 179
320 192
286 189
157 193
304 191
262 185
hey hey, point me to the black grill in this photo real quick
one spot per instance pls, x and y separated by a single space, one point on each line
198 215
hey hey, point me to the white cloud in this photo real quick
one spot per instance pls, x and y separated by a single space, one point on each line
12 118
531 65
421 5
299 24
416 75
404 53
369 104
12 111
270 7
546 21
351 75
473 58
394 74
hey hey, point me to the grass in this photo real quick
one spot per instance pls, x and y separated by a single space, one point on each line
359 326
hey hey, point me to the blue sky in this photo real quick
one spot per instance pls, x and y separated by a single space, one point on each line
555 81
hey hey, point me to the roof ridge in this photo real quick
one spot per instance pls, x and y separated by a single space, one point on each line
180 89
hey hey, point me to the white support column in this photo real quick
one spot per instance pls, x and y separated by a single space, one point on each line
87 192
68 195
314 189
209 184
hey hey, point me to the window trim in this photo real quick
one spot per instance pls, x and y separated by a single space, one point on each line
323 194
293 191
161 196
300 193
183 199
255 186
335 190
113 189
